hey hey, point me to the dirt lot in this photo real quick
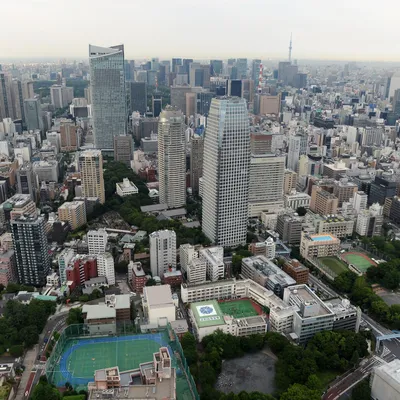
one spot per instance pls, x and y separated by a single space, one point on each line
252 372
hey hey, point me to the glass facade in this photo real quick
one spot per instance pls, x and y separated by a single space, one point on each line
107 84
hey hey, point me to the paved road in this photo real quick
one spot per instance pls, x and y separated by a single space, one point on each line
29 362
351 378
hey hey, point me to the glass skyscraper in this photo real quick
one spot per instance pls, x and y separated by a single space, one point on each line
226 172
107 85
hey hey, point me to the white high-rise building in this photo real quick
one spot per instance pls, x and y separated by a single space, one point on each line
266 183
63 260
226 172
270 248
187 254
91 168
359 201
105 267
214 259
108 95
97 241
294 152
172 158
197 271
162 251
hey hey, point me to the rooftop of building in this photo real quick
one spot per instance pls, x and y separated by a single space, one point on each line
126 184
305 296
137 268
296 265
18 200
98 311
340 306
326 194
172 273
323 237
207 313
390 371
72 204
158 296
118 301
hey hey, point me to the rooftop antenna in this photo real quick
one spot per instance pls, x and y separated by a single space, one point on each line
290 48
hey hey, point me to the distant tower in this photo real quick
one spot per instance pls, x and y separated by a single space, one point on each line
290 48
260 78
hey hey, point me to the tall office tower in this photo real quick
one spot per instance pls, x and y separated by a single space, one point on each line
186 65
156 102
138 96
396 103
172 158
255 71
216 67
297 147
266 176
226 172
175 63
31 249
203 102
56 96
190 104
241 65
123 149
107 86
88 95
6 108
18 99
97 241
27 90
91 168
69 135
162 252
196 162
128 70
248 90
290 181
234 87
33 114
26 181
151 77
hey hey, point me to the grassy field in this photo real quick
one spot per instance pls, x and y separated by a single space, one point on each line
333 264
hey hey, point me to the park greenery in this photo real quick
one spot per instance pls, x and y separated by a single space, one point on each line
75 316
129 207
44 390
359 290
21 325
298 368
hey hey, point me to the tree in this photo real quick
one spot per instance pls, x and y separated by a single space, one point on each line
362 391
17 350
45 391
122 267
75 316
301 211
355 359
300 392
151 282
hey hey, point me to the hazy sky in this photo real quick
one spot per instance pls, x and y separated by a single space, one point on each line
337 29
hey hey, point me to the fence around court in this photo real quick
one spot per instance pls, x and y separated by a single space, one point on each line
186 386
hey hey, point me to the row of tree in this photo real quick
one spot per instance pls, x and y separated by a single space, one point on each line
360 293
21 324
296 369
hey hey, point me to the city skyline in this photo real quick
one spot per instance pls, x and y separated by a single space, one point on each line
317 34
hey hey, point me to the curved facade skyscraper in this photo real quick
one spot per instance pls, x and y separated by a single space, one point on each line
107 87
226 172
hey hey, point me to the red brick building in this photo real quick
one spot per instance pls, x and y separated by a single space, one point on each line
81 269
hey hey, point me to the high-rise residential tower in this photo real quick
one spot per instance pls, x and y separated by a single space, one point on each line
162 251
107 88
226 172
196 161
31 249
91 167
172 158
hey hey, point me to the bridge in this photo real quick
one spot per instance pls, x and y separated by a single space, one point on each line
379 339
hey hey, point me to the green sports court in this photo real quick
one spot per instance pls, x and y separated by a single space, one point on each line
81 357
359 260
239 308
334 264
